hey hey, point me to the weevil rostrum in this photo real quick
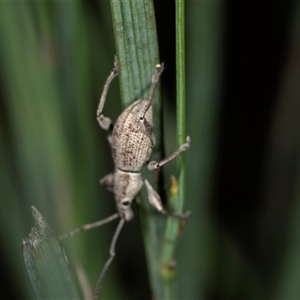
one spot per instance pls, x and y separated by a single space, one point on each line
131 141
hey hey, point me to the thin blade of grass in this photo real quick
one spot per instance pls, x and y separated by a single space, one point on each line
204 66
46 263
177 195
137 52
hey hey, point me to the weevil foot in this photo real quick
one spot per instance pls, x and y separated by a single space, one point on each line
116 66
187 144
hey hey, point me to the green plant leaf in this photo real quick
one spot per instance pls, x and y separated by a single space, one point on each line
137 51
178 186
46 263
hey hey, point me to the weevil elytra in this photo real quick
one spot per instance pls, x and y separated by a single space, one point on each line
131 141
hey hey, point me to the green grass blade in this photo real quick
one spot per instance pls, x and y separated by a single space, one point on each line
46 263
204 62
136 45
137 51
177 198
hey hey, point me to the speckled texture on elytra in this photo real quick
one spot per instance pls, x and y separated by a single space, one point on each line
131 140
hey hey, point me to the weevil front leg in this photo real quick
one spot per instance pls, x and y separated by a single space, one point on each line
153 165
155 78
106 122
144 124
154 200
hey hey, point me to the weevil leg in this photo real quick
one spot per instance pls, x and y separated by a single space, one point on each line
103 121
153 165
154 200
110 259
89 226
108 182
155 78
144 124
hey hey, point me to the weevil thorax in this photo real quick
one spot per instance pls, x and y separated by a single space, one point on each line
126 187
132 137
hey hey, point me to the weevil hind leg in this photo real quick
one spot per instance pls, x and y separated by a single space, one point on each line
154 165
112 254
155 201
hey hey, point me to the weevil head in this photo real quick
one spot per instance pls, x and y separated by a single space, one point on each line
126 187
124 208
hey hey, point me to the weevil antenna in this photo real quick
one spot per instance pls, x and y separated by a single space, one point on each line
110 259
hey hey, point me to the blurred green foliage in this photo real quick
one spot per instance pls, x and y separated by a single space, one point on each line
55 57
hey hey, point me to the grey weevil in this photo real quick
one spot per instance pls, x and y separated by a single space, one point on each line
131 141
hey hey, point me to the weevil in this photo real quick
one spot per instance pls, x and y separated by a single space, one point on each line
131 141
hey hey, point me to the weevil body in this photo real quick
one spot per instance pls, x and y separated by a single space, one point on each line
131 141
131 146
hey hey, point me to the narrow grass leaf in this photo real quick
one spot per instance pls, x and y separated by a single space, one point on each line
46 263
